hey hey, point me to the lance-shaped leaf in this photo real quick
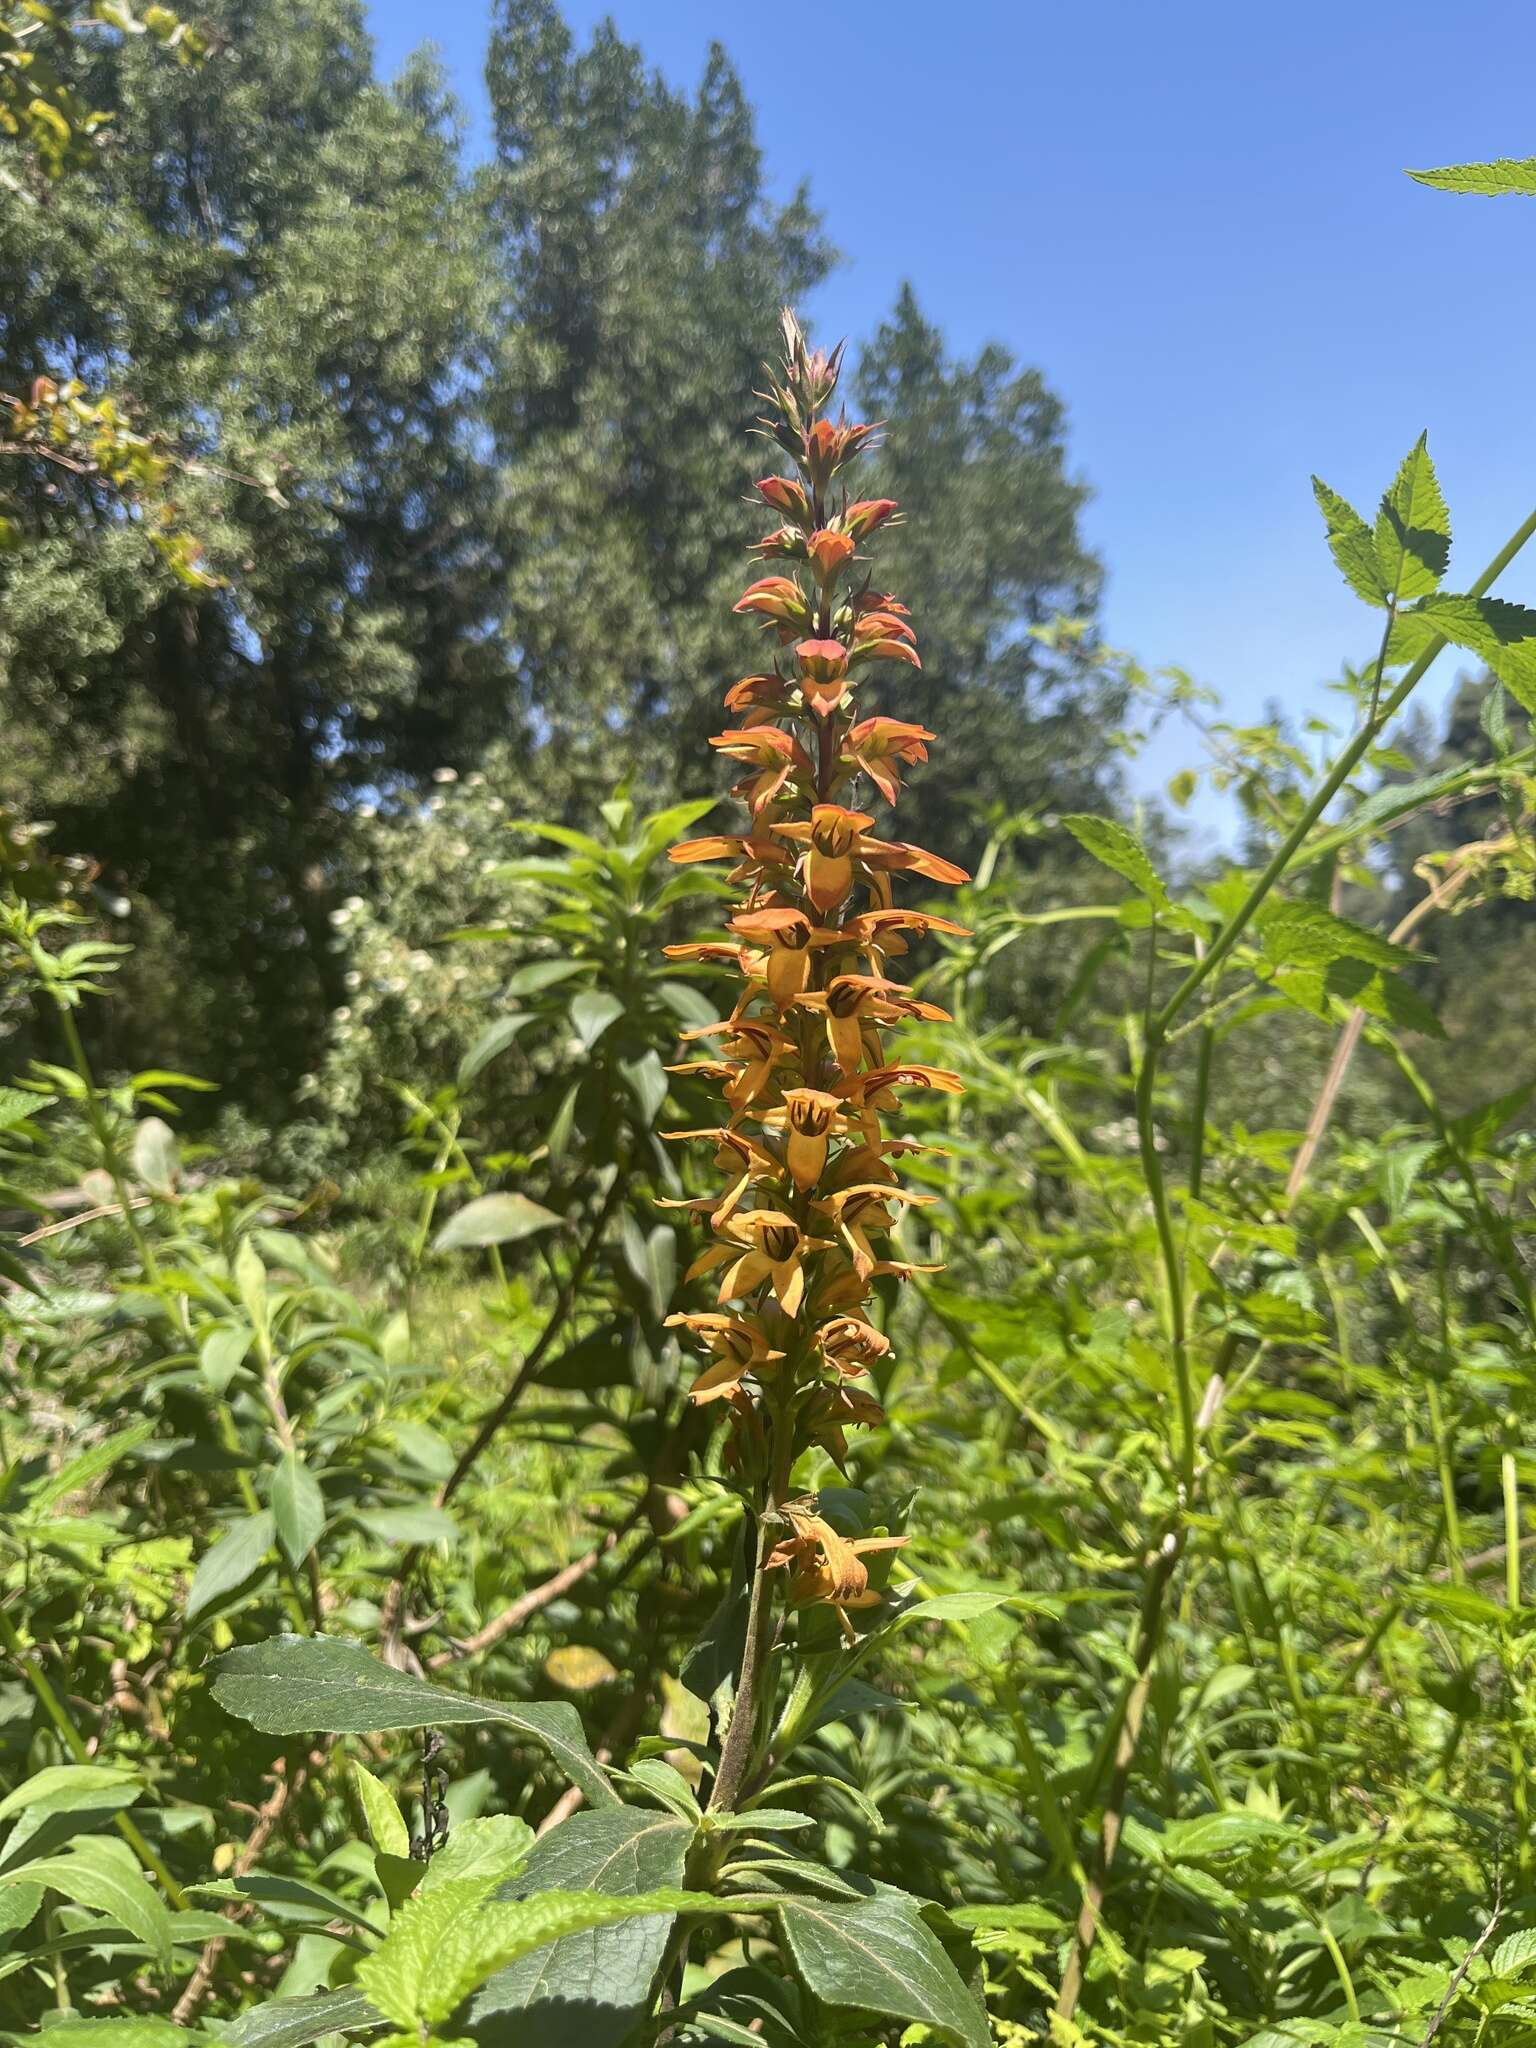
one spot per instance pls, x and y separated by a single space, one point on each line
92 1875
880 1958
1413 528
307 1685
231 1561
295 2022
1490 180
494 1219
1352 545
298 1507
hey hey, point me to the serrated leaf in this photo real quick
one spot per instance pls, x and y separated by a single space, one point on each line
1351 544
880 1958
1514 1953
1118 848
1413 528
494 1219
308 1685
589 1989
231 1561
493 1845
298 1507
445 1943
1505 174
385 1823
1297 934
1498 632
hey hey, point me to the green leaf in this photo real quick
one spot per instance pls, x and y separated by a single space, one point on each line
75 1783
1119 848
962 1606
231 1561
1297 934
492 1845
19 1105
535 976
1489 181
289 1891
1499 633
491 1043
1351 544
222 1353
445 1943
140 2031
646 1080
602 1976
307 1685
1515 1953
298 1507
879 1958
494 1219
661 828
1413 528
296 2022
92 1876
385 1823
90 1466
250 1277
591 1014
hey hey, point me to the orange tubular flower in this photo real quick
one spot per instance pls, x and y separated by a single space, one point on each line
810 1196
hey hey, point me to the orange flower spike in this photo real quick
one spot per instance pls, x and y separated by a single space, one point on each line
800 1227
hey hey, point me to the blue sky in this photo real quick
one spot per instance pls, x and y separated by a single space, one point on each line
1193 218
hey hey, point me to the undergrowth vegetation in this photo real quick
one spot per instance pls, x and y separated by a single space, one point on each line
863 1468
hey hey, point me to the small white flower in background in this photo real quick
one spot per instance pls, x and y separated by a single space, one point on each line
341 917
352 980
475 781
367 810
420 961
445 774
353 904
343 1015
